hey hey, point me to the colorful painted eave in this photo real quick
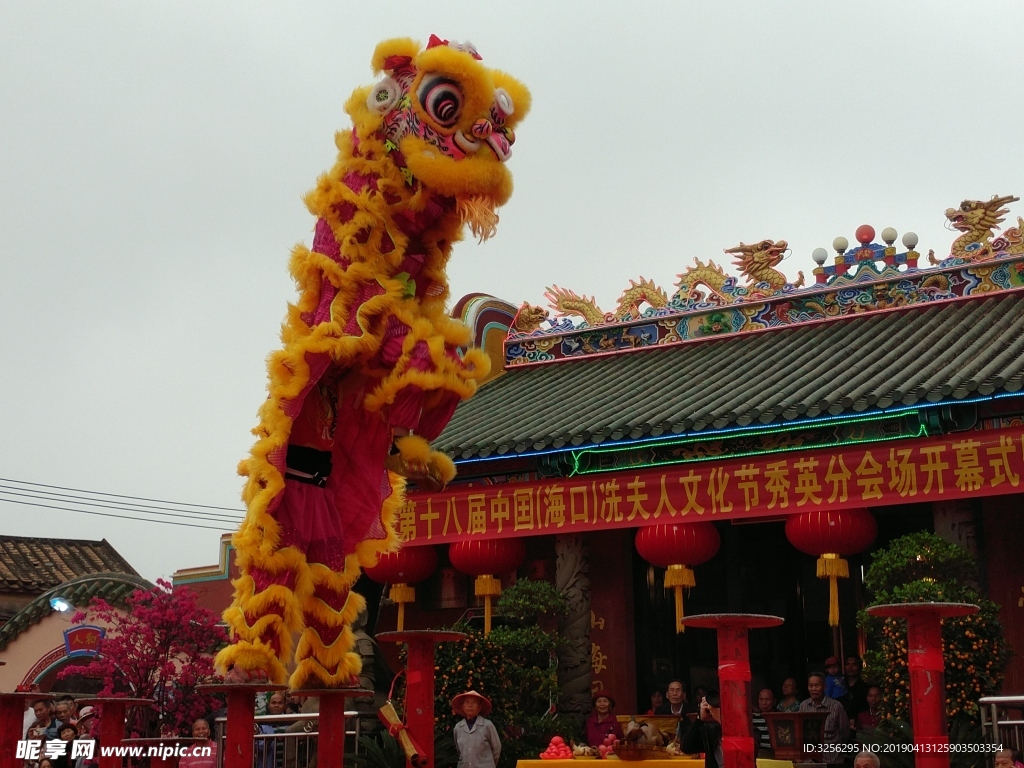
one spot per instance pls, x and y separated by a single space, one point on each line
870 278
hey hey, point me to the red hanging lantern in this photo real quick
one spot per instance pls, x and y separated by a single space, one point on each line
677 547
401 570
830 535
484 558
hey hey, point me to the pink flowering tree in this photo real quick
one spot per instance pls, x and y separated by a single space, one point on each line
159 646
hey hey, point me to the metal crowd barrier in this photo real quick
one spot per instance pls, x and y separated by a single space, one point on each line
295 746
996 723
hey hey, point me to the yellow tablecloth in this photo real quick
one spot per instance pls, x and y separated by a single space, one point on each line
670 763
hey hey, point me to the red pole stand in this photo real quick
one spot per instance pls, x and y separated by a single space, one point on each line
734 677
241 697
112 723
927 674
330 741
12 714
419 692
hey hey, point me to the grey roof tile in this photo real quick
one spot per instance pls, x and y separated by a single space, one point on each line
919 355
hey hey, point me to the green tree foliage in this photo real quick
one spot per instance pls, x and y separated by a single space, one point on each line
515 667
923 567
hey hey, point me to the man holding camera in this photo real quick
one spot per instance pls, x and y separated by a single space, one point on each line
705 733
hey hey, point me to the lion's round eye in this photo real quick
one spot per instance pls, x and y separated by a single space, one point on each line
442 100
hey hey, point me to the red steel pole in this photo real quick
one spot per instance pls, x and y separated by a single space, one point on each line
419 693
734 677
331 730
12 713
927 675
238 743
112 722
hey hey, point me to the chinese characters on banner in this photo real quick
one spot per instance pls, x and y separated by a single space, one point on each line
975 463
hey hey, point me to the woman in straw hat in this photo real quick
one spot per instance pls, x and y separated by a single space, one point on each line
475 736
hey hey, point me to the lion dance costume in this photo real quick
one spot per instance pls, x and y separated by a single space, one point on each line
370 370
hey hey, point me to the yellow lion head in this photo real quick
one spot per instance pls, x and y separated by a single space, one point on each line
446 120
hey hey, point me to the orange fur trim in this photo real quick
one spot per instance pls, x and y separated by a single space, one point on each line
413 448
444 465
476 175
368 552
252 656
398 46
311 674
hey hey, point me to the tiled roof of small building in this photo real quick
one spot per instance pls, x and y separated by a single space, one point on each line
33 565
112 587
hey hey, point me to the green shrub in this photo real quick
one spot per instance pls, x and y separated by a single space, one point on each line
924 567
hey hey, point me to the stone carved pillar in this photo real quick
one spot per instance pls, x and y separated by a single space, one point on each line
572 579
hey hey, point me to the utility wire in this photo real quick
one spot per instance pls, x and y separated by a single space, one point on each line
122 517
178 513
118 495
68 498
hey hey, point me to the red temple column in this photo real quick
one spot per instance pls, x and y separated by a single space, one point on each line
12 713
734 677
419 693
238 748
927 674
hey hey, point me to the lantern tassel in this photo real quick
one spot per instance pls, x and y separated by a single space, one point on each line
677 577
487 586
832 567
401 594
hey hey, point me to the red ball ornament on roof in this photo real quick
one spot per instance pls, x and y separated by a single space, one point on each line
408 565
677 547
831 534
865 234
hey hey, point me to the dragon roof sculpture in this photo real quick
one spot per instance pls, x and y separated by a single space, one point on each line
709 302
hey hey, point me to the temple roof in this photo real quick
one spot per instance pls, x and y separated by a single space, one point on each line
33 565
919 355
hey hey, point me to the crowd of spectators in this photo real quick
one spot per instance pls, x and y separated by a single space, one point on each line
71 734
850 704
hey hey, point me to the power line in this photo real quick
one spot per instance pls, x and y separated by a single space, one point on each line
118 495
178 513
122 517
68 498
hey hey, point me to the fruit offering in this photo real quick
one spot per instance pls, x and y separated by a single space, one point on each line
557 750
607 747
582 750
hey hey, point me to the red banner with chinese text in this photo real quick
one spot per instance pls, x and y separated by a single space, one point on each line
977 463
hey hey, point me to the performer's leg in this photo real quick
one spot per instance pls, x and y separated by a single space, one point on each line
325 656
265 613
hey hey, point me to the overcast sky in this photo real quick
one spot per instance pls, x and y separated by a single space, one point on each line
153 155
